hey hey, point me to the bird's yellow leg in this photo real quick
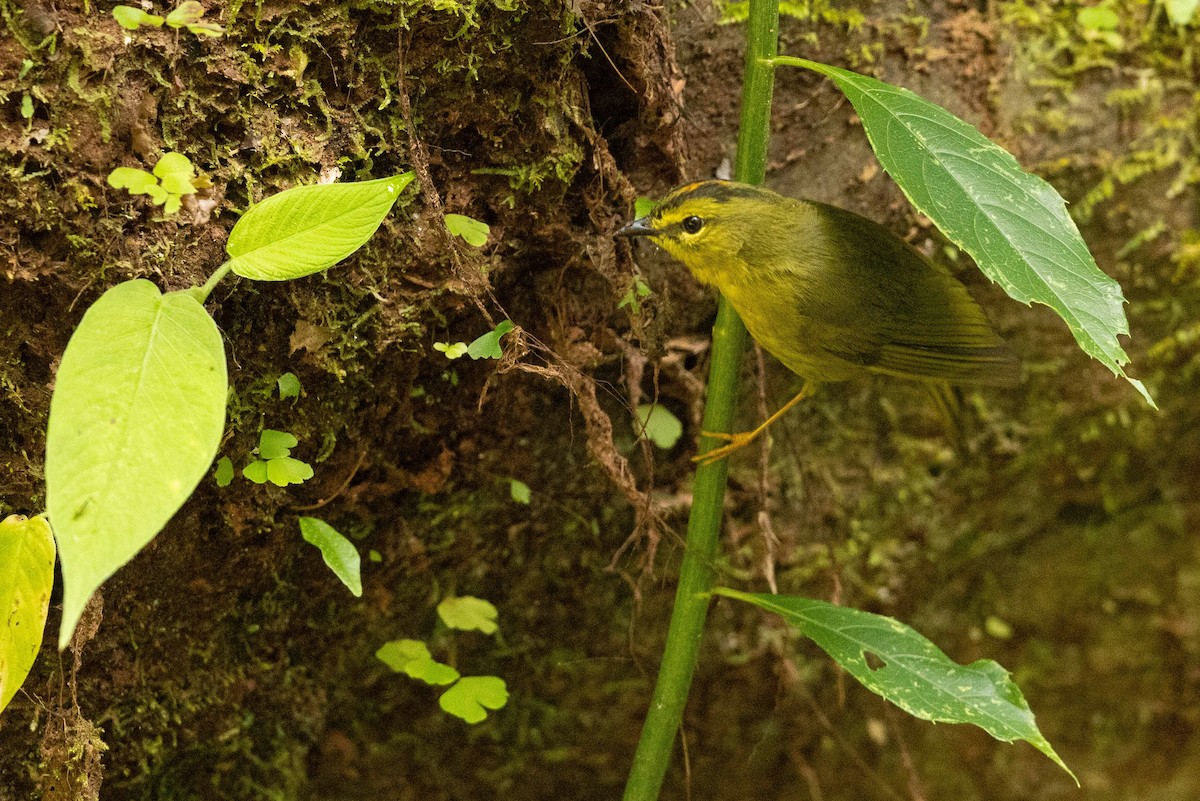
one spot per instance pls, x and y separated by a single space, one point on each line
743 438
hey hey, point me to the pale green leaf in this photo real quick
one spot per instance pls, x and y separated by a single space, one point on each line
472 696
488 345
659 425
896 662
224 472
26 578
468 613
206 29
1098 18
643 206
256 471
135 181
132 18
519 491
411 657
454 350
26 106
135 421
339 553
1180 12
285 470
186 13
289 386
473 232
274 444
1014 224
309 228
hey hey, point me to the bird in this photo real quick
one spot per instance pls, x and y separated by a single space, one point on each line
829 293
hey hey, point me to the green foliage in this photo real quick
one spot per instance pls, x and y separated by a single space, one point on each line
132 18
188 14
472 696
473 232
339 553
659 425
897 663
1181 12
453 350
1014 224
307 229
289 386
468 613
173 177
488 345
519 491
633 298
643 206
26 578
275 462
135 421
224 472
412 658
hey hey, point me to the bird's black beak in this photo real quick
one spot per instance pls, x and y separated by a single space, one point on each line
639 227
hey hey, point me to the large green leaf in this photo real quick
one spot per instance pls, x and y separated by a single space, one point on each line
1014 224
309 228
26 578
135 421
896 662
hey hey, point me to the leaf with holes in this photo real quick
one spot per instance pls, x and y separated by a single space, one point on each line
307 229
26 578
339 553
897 663
1013 223
473 695
135 421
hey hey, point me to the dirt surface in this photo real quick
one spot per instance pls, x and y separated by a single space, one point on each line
228 662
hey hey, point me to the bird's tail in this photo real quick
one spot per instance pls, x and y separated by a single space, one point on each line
949 402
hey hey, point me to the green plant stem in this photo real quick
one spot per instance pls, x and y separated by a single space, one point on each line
708 493
202 292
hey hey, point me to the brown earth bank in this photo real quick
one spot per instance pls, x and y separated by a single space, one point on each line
228 662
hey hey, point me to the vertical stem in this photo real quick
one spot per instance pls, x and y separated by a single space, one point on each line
708 492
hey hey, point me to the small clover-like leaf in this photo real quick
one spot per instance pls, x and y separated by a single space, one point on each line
132 18
659 425
453 350
468 613
186 13
286 470
473 695
133 180
289 386
519 491
339 553
473 232
411 657
256 471
274 444
224 472
488 345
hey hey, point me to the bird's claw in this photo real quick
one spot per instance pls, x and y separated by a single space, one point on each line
736 441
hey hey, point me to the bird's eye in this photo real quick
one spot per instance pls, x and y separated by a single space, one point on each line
692 224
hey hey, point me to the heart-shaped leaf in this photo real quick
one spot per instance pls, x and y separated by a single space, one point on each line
309 228
473 695
468 613
411 657
135 421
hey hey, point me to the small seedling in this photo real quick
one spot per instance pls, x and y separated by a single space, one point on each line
224 472
633 298
188 15
174 176
275 463
470 696
473 232
519 491
484 347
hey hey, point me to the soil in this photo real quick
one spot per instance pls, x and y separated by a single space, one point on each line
228 662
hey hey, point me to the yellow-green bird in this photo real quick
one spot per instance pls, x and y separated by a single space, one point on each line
830 294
